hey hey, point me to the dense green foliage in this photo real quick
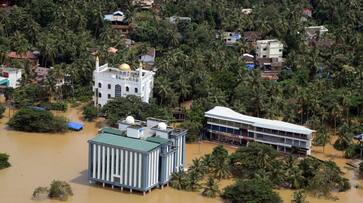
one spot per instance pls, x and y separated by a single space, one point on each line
40 193
256 163
299 197
29 94
56 106
251 190
319 86
2 110
4 161
214 166
131 105
60 190
353 151
90 112
210 188
31 120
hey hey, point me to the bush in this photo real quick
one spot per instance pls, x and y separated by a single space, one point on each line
31 120
344 185
2 110
361 167
60 190
4 161
29 94
56 106
341 144
40 193
252 190
352 151
90 113
299 197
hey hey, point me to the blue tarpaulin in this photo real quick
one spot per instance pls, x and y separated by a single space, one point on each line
75 126
250 66
38 108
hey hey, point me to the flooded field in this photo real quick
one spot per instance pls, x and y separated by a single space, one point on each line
37 159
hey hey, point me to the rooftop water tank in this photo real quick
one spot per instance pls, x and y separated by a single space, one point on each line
162 126
130 120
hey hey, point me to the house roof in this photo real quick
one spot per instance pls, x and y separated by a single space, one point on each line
228 114
252 36
124 142
26 55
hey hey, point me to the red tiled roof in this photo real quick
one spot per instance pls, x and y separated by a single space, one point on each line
26 55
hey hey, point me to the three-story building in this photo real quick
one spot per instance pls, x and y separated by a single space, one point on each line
226 125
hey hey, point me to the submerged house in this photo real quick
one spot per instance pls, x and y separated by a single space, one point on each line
137 156
227 126
9 77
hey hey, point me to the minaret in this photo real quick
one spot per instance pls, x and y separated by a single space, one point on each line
97 64
140 78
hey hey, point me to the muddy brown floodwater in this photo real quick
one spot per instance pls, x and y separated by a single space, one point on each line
37 159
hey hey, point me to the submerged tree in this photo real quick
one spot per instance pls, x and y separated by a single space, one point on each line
251 190
210 189
299 197
4 161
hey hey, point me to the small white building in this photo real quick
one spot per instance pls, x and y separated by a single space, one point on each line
247 11
110 82
315 31
231 38
271 48
176 19
145 4
117 16
148 59
10 77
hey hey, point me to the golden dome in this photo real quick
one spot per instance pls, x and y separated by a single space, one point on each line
124 67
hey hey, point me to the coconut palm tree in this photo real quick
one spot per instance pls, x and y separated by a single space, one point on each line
210 188
179 180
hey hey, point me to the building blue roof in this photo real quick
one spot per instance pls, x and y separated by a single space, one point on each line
75 126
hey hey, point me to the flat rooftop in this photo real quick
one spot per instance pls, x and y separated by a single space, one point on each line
125 142
228 114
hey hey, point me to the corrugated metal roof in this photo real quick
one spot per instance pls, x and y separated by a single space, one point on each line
125 142
229 114
158 140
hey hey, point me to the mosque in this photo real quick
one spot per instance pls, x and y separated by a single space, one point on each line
110 82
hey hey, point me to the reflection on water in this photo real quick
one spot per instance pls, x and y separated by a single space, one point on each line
37 159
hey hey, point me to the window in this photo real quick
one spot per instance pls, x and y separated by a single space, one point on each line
264 56
264 49
108 96
99 85
109 86
280 50
136 90
127 89
117 90
99 94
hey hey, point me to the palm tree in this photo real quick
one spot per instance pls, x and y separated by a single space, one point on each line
198 167
299 197
179 180
210 189
193 179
